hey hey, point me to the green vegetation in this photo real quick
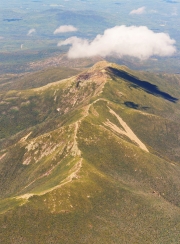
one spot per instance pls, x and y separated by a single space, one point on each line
74 168
37 79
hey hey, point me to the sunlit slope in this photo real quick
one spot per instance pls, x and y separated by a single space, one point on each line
36 79
92 159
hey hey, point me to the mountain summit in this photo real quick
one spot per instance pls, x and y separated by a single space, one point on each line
93 158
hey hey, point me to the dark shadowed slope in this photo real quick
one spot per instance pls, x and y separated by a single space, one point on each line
146 86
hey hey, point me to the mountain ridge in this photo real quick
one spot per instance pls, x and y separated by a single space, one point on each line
94 152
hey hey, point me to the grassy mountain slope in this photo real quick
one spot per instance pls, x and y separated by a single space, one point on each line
34 80
92 159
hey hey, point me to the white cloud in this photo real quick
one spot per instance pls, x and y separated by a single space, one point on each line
153 11
56 5
133 41
31 31
138 11
65 28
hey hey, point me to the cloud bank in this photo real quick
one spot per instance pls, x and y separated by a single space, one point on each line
119 41
65 28
31 31
138 11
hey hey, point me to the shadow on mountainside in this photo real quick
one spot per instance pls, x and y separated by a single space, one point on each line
146 86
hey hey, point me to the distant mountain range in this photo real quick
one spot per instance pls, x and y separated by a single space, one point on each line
90 158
